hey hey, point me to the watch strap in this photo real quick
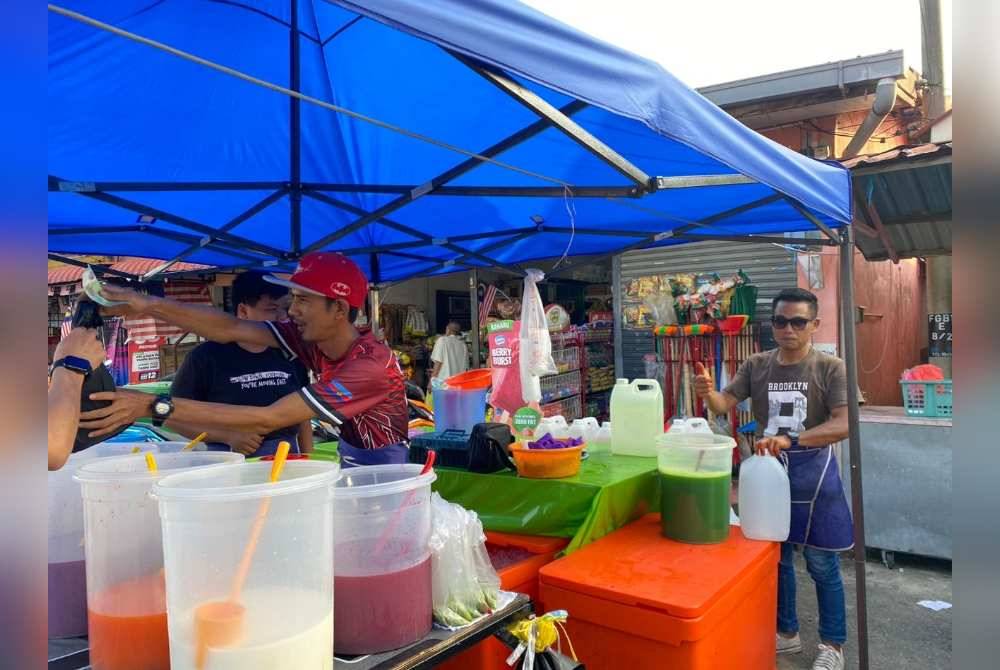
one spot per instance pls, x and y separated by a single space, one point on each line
81 366
158 417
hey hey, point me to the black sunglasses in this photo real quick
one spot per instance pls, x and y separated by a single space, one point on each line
798 323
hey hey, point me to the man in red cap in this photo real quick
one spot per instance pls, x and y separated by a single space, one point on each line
360 387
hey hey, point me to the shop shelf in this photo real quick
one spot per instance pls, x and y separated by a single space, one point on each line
567 359
569 408
557 387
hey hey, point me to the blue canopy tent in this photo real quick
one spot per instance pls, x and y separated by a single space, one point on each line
419 138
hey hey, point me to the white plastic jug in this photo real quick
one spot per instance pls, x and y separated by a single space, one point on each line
584 429
552 425
602 438
765 499
637 414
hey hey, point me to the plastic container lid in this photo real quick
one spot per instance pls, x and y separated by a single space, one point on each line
240 481
536 544
636 565
381 480
471 380
133 467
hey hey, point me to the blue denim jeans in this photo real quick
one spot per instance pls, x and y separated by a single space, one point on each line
824 568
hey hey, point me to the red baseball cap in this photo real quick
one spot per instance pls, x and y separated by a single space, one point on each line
328 274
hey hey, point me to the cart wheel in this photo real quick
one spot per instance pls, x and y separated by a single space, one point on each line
888 559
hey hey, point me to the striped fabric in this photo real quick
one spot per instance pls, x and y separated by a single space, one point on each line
67 325
486 306
148 328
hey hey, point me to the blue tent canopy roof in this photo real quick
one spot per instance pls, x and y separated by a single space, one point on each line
211 161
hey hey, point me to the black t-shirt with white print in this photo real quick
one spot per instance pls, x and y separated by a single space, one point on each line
228 373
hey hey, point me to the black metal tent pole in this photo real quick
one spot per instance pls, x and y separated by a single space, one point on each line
232 223
448 175
444 242
139 208
295 127
854 436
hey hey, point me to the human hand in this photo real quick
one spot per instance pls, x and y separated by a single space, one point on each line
126 406
136 304
772 445
82 343
702 382
244 443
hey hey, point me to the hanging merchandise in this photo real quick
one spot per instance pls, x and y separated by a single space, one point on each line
504 361
557 318
744 299
661 304
416 323
536 345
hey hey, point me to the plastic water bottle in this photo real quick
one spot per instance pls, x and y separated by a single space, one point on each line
765 499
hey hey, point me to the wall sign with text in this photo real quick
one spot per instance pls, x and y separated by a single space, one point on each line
939 334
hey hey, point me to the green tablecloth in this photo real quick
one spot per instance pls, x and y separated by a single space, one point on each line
609 492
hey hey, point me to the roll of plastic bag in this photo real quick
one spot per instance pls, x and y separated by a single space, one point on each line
535 343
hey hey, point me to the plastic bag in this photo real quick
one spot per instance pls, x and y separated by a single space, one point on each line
464 585
661 305
536 345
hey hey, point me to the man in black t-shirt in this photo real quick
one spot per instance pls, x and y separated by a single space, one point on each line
239 374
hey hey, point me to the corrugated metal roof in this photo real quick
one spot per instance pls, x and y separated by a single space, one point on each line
65 274
900 154
910 189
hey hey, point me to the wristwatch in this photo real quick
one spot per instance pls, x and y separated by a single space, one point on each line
76 364
163 407
793 438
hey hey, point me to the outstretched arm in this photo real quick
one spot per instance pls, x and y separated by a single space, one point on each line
209 322
127 406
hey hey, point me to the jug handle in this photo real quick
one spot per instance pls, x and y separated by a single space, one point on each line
645 386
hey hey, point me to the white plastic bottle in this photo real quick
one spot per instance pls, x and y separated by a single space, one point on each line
765 499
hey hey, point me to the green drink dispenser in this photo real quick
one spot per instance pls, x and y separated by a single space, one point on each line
695 469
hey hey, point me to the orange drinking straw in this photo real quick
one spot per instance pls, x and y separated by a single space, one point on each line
190 445
218 624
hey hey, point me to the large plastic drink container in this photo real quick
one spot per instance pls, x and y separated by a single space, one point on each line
382 581
695 469
208 519
127 614
67 575
459 408
174 447
637 415
105 449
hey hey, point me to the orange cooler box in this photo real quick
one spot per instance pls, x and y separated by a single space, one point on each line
522 577
640 601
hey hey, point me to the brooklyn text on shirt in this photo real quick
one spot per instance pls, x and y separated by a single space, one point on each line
788 386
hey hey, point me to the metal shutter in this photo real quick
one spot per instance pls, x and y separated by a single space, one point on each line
770 267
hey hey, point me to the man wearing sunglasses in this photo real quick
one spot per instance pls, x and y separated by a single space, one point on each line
799 400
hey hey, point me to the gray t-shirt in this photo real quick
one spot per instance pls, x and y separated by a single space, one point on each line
790 398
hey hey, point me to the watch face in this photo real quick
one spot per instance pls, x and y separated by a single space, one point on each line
161 407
